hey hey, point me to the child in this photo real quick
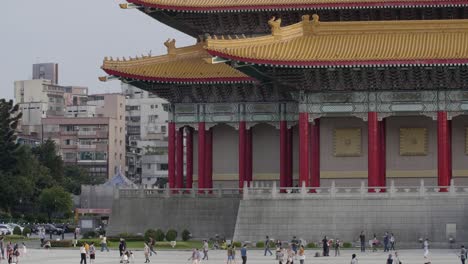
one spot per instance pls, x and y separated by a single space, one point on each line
25 251
146 250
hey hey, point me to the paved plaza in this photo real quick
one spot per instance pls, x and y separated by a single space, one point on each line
64 256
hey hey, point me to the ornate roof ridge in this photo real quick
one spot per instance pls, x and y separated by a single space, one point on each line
246 5
173 54
397 41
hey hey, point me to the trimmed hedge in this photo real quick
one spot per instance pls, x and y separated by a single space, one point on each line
26 231
260 244
150 233
186 235
171 235
311 245
237 244
90 234
159 235
127 237
347 245
61 243
17 231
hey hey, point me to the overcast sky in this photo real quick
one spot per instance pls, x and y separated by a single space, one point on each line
77 35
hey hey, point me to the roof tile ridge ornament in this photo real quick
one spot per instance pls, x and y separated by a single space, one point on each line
171 47
275 26
315 25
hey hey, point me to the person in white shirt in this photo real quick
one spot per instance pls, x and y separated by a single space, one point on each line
83 254
396 258
426 248
354 259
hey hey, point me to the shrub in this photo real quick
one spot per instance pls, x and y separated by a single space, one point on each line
347 245
90 234
311 245
186 235
159 235
26 231
17 231
171 235
260 244
61 243
237 244
128 238
14 237
150 233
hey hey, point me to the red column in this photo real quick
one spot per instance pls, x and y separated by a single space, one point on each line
179 158
450 149
249 157
315 153
209 159
201 155
171 156
303 149
189 157
443 150
373 151
289 177
242 145
383 156
284 166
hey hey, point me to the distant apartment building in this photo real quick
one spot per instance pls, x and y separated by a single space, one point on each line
92 135
47 71
40 98
146 122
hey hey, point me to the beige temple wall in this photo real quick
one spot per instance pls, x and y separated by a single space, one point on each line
345 171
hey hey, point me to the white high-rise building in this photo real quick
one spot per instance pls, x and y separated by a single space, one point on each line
146 123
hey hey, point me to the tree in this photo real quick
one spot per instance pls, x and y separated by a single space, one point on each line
75 176
55 200
47 155
9 117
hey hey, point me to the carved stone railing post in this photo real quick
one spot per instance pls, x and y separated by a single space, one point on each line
274 192
422 189
363 190
392 188
452 188
333 189
245 194
303 190
167 192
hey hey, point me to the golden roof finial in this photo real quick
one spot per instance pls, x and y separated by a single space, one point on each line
315 22
123 6
305 18
275 26
103 78
171 47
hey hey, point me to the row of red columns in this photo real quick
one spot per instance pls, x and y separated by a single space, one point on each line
309 154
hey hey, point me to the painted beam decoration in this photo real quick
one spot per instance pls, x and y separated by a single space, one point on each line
413 141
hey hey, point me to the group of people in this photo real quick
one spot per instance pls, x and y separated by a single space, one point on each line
389 242
148 249
87 250
11 251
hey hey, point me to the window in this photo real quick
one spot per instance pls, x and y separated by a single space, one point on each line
86 155
120 142
149 166
101 156
163 129
152 118
70 156
68 142
120 156
152 106
164 166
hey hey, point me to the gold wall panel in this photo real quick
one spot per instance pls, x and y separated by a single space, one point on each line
466 140
347 142
413 141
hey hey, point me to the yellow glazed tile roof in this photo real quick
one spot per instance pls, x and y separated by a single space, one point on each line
255 5
315 43
180 65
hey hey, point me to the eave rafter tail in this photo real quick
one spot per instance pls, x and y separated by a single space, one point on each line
215 6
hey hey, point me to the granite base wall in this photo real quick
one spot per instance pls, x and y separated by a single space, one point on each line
408 219
203 217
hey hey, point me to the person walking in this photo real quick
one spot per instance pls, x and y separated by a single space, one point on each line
291 256
104 244
426 248
230 256
2 247
205 249
392 242
267 246
390 259
301 254
337 247
386 240
194 257
25 250
354 259
375 243
325 246
146 251
152 243
243 252
83 254
294 244
122 247
362 239
396 259
92 253
463 254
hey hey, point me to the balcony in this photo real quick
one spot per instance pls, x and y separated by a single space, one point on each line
81 146
68 133
86 133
